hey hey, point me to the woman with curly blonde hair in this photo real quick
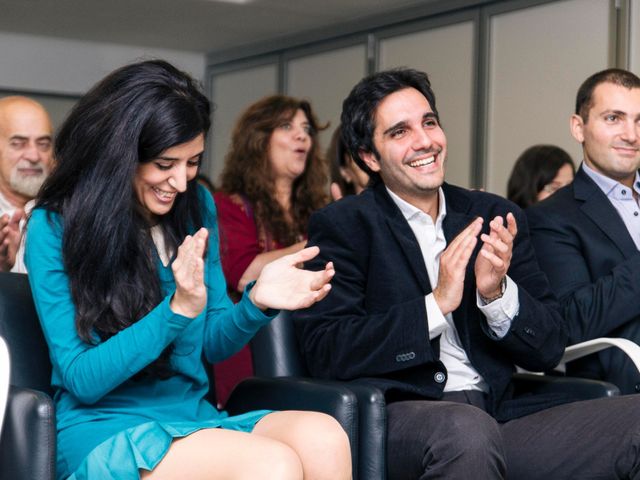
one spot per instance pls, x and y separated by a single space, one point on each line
273 179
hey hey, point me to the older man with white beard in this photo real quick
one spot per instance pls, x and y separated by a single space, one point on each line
25 161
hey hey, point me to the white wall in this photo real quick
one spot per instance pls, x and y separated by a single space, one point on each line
67 66
634 42
539 57
325 79
232 92
446 54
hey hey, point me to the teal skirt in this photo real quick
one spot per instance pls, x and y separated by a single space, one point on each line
143 446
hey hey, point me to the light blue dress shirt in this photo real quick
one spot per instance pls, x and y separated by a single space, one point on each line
622 199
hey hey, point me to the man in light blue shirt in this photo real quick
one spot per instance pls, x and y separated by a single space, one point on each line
587 235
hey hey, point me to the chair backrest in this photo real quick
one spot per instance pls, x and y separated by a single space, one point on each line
20 327
275 350
28 443
5 362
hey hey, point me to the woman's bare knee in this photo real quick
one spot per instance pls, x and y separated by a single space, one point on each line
318 439
331 453
280 461
214 454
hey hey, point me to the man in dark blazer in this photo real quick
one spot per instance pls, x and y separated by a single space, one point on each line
437 296
587 235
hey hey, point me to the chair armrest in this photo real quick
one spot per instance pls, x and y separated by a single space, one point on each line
582 349
580 388
5 373
292 393
28 442
372 427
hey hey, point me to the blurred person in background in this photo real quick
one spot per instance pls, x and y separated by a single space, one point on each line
25 160
273 179
537 174
347 178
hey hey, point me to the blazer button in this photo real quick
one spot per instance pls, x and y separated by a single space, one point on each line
439 377
405 357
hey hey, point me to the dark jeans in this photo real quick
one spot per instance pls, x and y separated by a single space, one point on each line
456 439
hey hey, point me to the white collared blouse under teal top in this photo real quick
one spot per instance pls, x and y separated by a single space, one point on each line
109 426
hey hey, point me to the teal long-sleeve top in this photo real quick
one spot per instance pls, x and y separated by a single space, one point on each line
97 402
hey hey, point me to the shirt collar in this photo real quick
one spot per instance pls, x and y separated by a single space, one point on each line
609 186
410 212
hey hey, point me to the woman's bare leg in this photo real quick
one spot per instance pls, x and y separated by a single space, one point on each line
217 454
318 439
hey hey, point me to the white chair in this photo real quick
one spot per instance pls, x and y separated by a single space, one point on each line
582 349
4 379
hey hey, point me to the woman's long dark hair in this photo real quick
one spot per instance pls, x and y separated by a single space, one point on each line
128 118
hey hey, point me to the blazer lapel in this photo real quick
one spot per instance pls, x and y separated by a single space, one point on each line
599 209
458 217
403 234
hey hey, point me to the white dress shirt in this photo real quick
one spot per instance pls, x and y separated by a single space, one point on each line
499 313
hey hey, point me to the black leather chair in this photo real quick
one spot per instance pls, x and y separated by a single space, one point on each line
276 354
27 444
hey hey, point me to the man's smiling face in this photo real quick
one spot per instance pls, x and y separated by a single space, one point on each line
410 144
610 136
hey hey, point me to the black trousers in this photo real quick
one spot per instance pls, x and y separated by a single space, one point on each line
456 439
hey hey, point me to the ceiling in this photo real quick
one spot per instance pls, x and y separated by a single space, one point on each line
192 25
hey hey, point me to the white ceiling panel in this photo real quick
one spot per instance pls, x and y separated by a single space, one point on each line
192 25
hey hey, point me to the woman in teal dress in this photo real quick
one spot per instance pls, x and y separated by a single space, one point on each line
122 253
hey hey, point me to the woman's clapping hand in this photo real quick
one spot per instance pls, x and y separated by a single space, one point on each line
190 298
282 285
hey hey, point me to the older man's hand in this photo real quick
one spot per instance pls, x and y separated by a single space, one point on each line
9 239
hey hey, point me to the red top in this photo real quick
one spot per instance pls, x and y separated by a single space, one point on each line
240 241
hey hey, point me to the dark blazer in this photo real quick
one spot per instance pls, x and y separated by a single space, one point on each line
593 267
373 324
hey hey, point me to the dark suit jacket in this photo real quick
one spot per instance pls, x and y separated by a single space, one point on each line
373 324
593 266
